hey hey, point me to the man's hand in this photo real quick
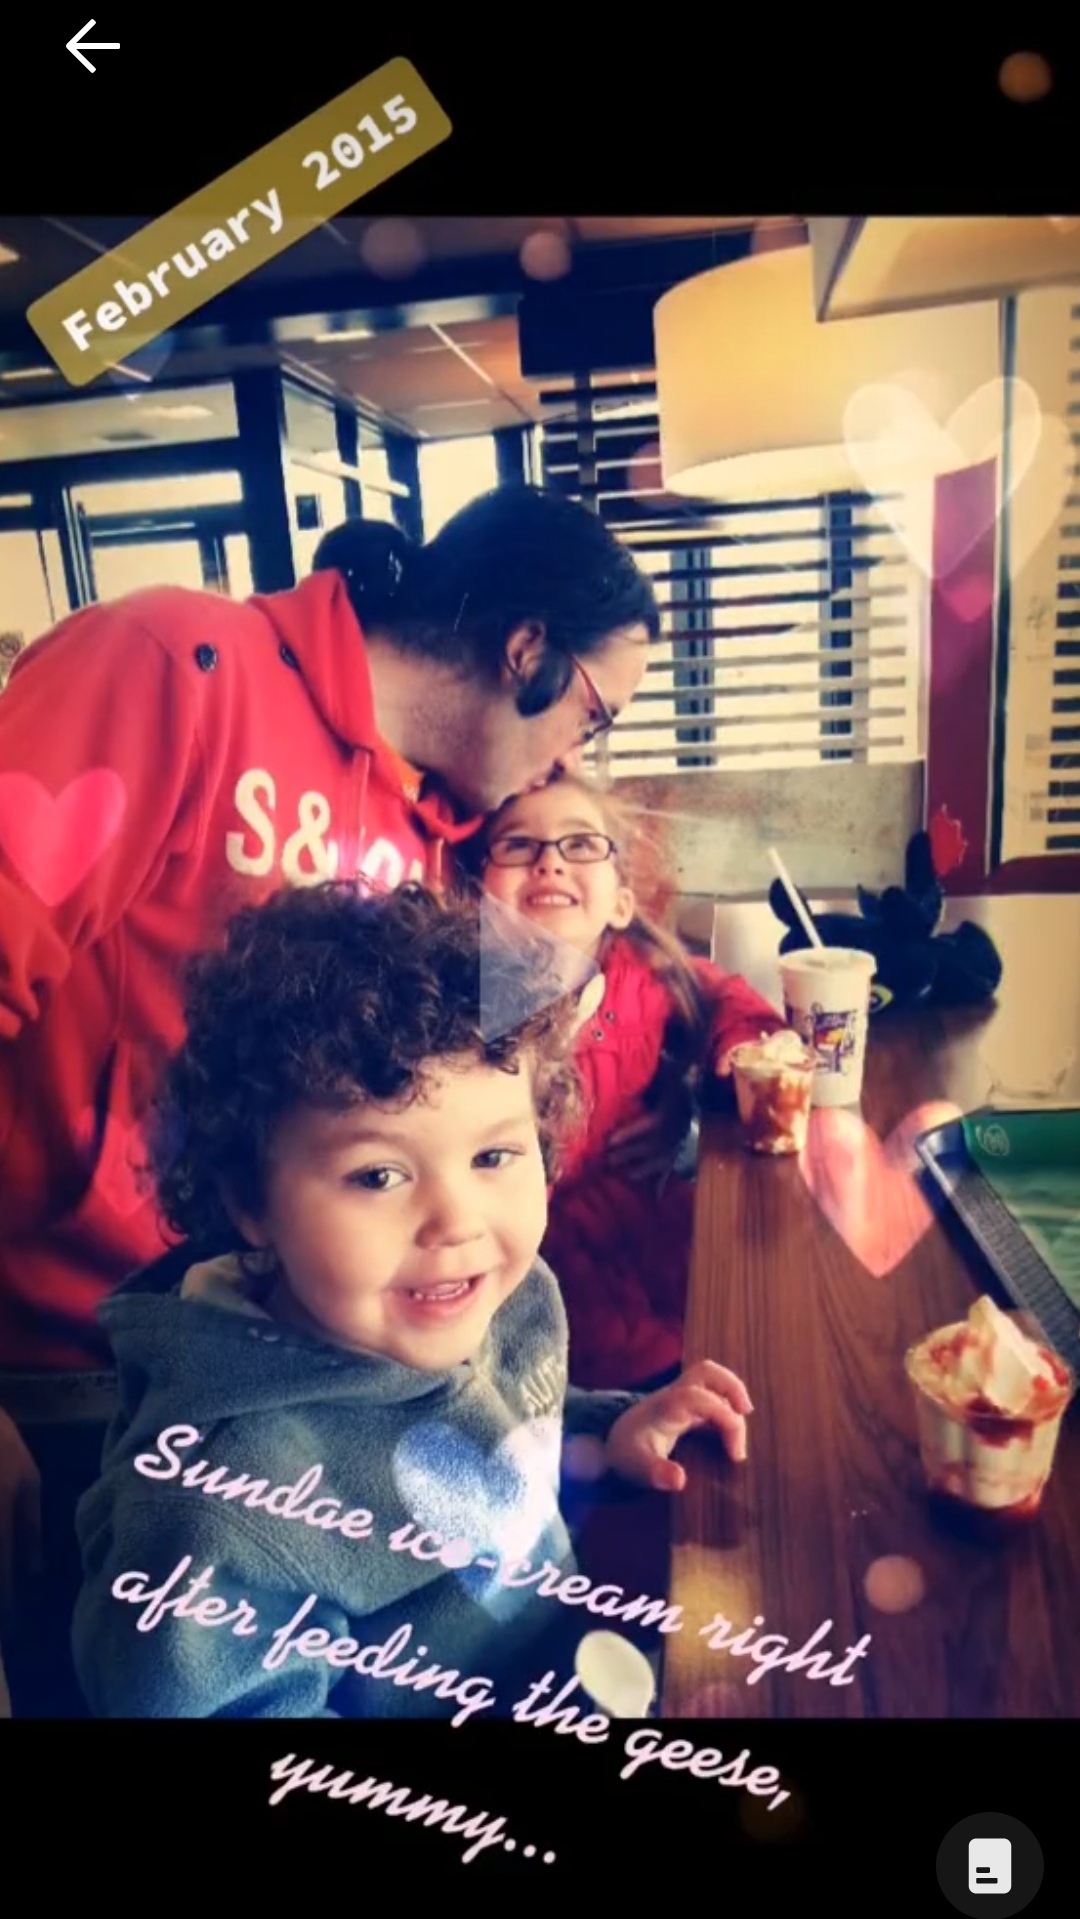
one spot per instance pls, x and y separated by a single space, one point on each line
640 1443
20 1516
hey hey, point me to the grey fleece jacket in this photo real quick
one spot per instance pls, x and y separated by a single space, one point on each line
299 1592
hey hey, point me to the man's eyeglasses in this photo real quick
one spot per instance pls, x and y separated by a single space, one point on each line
577 849
601 718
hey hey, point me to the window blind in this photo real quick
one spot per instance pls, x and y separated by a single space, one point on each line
1038 796
792 630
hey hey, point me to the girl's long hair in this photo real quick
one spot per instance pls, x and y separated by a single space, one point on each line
688 1022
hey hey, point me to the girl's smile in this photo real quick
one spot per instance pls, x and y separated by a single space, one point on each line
581 898
542 896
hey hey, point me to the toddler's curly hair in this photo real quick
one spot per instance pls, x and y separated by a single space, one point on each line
328 997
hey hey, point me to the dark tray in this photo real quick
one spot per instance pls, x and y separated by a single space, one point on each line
1028 1280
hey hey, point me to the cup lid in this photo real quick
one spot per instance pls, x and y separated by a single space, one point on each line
817 959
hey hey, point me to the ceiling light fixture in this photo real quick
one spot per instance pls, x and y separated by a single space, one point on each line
185 412
449 406
886 265
339 335
752 389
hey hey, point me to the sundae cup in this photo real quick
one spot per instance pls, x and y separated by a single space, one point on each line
774 1079
989 1403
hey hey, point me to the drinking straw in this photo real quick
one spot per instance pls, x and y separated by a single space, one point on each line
788 885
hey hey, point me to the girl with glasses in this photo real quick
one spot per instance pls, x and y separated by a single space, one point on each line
656 1020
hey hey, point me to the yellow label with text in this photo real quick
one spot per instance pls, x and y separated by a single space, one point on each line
168 270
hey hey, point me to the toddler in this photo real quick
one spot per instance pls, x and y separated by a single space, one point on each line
333 1487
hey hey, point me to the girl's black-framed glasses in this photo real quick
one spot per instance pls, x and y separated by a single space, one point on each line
577 849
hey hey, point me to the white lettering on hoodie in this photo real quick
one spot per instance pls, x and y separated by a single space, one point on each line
308 855
253 787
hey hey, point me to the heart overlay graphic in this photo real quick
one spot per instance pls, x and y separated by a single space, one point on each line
548 969
54 842
502 1503
897 447
866 1187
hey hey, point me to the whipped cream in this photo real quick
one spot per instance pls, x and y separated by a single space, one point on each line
989 1359
784 1048
999 1363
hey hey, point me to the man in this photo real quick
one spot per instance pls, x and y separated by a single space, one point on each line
171 757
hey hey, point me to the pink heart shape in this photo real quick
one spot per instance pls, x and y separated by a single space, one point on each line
866 1188
53 842
971 596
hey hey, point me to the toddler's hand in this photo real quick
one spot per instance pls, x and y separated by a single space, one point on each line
640 1443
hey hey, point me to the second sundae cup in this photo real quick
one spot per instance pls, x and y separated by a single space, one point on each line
774 1080
989 1403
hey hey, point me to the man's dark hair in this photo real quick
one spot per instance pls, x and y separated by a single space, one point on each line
512 556
326 996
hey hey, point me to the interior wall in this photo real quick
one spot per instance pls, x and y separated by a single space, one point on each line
703 837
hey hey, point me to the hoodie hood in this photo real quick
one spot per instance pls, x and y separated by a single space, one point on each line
210 1386
316 625
178 1348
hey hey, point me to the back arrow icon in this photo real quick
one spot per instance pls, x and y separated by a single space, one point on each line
76 43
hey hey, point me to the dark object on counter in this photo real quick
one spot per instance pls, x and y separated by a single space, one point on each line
914 962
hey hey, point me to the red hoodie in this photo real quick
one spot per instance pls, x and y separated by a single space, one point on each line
164 761
620 1249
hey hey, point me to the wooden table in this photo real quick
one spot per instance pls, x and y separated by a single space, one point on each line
833 1485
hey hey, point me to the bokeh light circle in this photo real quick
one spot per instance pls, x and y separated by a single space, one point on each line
393 249
546 255
894 1584
1025 78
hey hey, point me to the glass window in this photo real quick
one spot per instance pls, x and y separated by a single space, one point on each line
159 496
127 568
310 426
453 472
310 438
378 501
238 566
26 609
122 419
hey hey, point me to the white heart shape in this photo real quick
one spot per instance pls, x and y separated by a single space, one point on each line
898 448
502 1502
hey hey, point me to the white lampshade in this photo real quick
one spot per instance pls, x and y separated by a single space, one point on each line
752 389
886 264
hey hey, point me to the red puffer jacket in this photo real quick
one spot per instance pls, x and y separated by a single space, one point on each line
620 1249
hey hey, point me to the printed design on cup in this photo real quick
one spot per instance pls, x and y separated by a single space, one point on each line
834 1037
